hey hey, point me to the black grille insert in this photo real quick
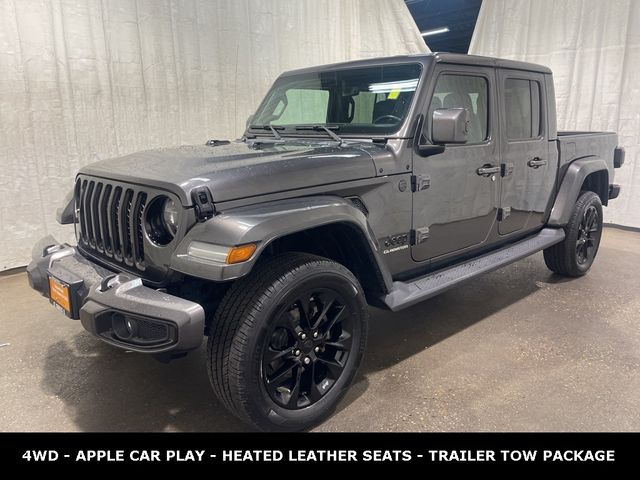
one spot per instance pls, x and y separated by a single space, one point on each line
111 220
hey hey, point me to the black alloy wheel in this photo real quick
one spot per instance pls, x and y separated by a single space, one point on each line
588 235
307 349
574 256
286 341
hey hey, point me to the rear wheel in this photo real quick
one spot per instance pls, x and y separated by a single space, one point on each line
574 256
286 342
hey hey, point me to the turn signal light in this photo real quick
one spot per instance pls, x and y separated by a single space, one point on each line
241 253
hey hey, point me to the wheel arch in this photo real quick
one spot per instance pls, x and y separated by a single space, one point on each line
587 173
341 241
598 183
329 226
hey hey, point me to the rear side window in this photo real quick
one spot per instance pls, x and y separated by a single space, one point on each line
464 91
522 108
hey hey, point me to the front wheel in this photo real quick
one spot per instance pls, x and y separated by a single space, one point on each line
287 341
574 256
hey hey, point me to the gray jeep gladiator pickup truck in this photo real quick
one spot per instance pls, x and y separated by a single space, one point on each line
378 182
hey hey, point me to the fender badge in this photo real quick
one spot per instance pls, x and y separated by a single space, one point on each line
391 250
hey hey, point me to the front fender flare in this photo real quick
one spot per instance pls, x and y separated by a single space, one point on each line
263 223
570 187
65 214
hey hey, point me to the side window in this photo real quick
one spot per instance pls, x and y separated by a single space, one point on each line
522 108
464 91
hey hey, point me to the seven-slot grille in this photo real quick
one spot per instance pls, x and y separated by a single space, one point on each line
111 220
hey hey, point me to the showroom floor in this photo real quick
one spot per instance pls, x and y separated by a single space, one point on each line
520 349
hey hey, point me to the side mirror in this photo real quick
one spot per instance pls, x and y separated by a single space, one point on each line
450 125
424 149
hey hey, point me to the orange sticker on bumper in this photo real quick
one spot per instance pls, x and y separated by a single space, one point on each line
59 294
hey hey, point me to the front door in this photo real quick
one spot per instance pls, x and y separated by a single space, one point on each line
528 168
456 192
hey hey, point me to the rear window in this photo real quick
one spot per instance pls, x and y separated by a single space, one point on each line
522 108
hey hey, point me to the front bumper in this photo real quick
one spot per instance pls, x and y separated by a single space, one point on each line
117 308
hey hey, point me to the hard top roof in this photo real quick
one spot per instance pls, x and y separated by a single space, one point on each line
452 58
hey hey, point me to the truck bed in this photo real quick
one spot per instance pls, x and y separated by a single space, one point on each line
578 144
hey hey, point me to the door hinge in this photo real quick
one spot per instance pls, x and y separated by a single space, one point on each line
420 182
506 169
503 213
419 235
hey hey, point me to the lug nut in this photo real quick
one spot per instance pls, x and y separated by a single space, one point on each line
307 360
296 352
315 334
317 349
303 335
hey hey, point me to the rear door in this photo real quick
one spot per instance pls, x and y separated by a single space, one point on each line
454 207
528 173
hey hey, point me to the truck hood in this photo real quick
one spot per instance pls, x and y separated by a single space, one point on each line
239 170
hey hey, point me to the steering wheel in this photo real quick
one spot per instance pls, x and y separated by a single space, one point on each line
392 117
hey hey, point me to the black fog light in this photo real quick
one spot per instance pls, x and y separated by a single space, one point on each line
124 327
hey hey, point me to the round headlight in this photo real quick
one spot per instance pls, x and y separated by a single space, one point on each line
162 220
170 216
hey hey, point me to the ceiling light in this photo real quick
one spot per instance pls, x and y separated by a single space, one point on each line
401 86
434 31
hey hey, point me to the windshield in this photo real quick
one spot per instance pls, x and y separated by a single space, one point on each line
370 100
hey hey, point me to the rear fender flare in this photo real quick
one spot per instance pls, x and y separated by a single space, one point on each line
571 185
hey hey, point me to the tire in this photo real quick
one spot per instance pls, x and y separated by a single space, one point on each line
574 256
261 329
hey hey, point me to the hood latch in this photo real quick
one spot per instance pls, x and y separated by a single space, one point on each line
203 203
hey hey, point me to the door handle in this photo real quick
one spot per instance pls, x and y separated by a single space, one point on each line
488 170
536 162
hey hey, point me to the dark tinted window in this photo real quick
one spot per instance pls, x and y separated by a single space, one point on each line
464 91
359 100
522 108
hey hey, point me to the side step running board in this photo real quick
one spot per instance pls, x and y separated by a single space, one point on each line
407 294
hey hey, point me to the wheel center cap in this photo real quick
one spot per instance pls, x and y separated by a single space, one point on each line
307 346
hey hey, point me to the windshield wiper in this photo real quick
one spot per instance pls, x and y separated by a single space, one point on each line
329 131
273 129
